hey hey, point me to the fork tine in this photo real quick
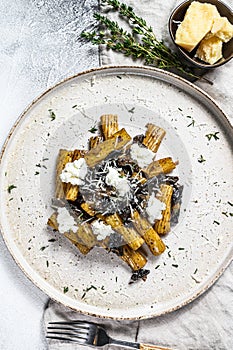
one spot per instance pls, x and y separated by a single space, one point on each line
68 334
79 331
61 338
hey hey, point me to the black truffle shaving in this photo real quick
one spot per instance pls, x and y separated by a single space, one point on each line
139 274
176 203
138 138
117 250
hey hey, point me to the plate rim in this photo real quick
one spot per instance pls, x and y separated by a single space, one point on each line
114 68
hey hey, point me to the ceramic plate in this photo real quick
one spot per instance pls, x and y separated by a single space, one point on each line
199 135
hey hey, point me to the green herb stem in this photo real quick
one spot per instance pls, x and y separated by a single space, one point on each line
140 43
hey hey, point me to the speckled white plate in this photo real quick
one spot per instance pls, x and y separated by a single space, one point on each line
199 248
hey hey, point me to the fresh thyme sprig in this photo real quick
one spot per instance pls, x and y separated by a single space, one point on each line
140 43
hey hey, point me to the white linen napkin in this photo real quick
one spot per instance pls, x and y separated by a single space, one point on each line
123 330
206 323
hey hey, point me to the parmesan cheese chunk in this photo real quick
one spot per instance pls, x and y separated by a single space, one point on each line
210 49
197 22
222 29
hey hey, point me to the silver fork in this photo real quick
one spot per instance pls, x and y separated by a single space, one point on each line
86 333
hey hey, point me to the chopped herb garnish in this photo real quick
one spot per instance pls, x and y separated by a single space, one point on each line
43 248
21 199
156 267
52 240
65 290
169 253
11 199
87 290
180 248
195 272
131 110
230 204
91 287
231 214
174 265
93 129
45 159
180 109
37 173
10 188
52 114
201 159
192 122
47 263
74 106
38 165
225 213
119 77
214 136
216 222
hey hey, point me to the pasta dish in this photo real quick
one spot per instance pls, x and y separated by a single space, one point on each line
117 195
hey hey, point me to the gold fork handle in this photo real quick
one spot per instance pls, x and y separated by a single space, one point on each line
152 347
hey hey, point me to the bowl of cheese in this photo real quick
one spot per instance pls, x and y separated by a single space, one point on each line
203 32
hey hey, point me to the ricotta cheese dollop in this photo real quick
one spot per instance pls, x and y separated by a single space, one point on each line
142 155
115 179
74 172
65 221
154 209
101 230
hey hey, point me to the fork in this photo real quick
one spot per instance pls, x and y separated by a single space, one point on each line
87 333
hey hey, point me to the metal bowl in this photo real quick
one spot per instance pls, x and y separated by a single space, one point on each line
178 16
